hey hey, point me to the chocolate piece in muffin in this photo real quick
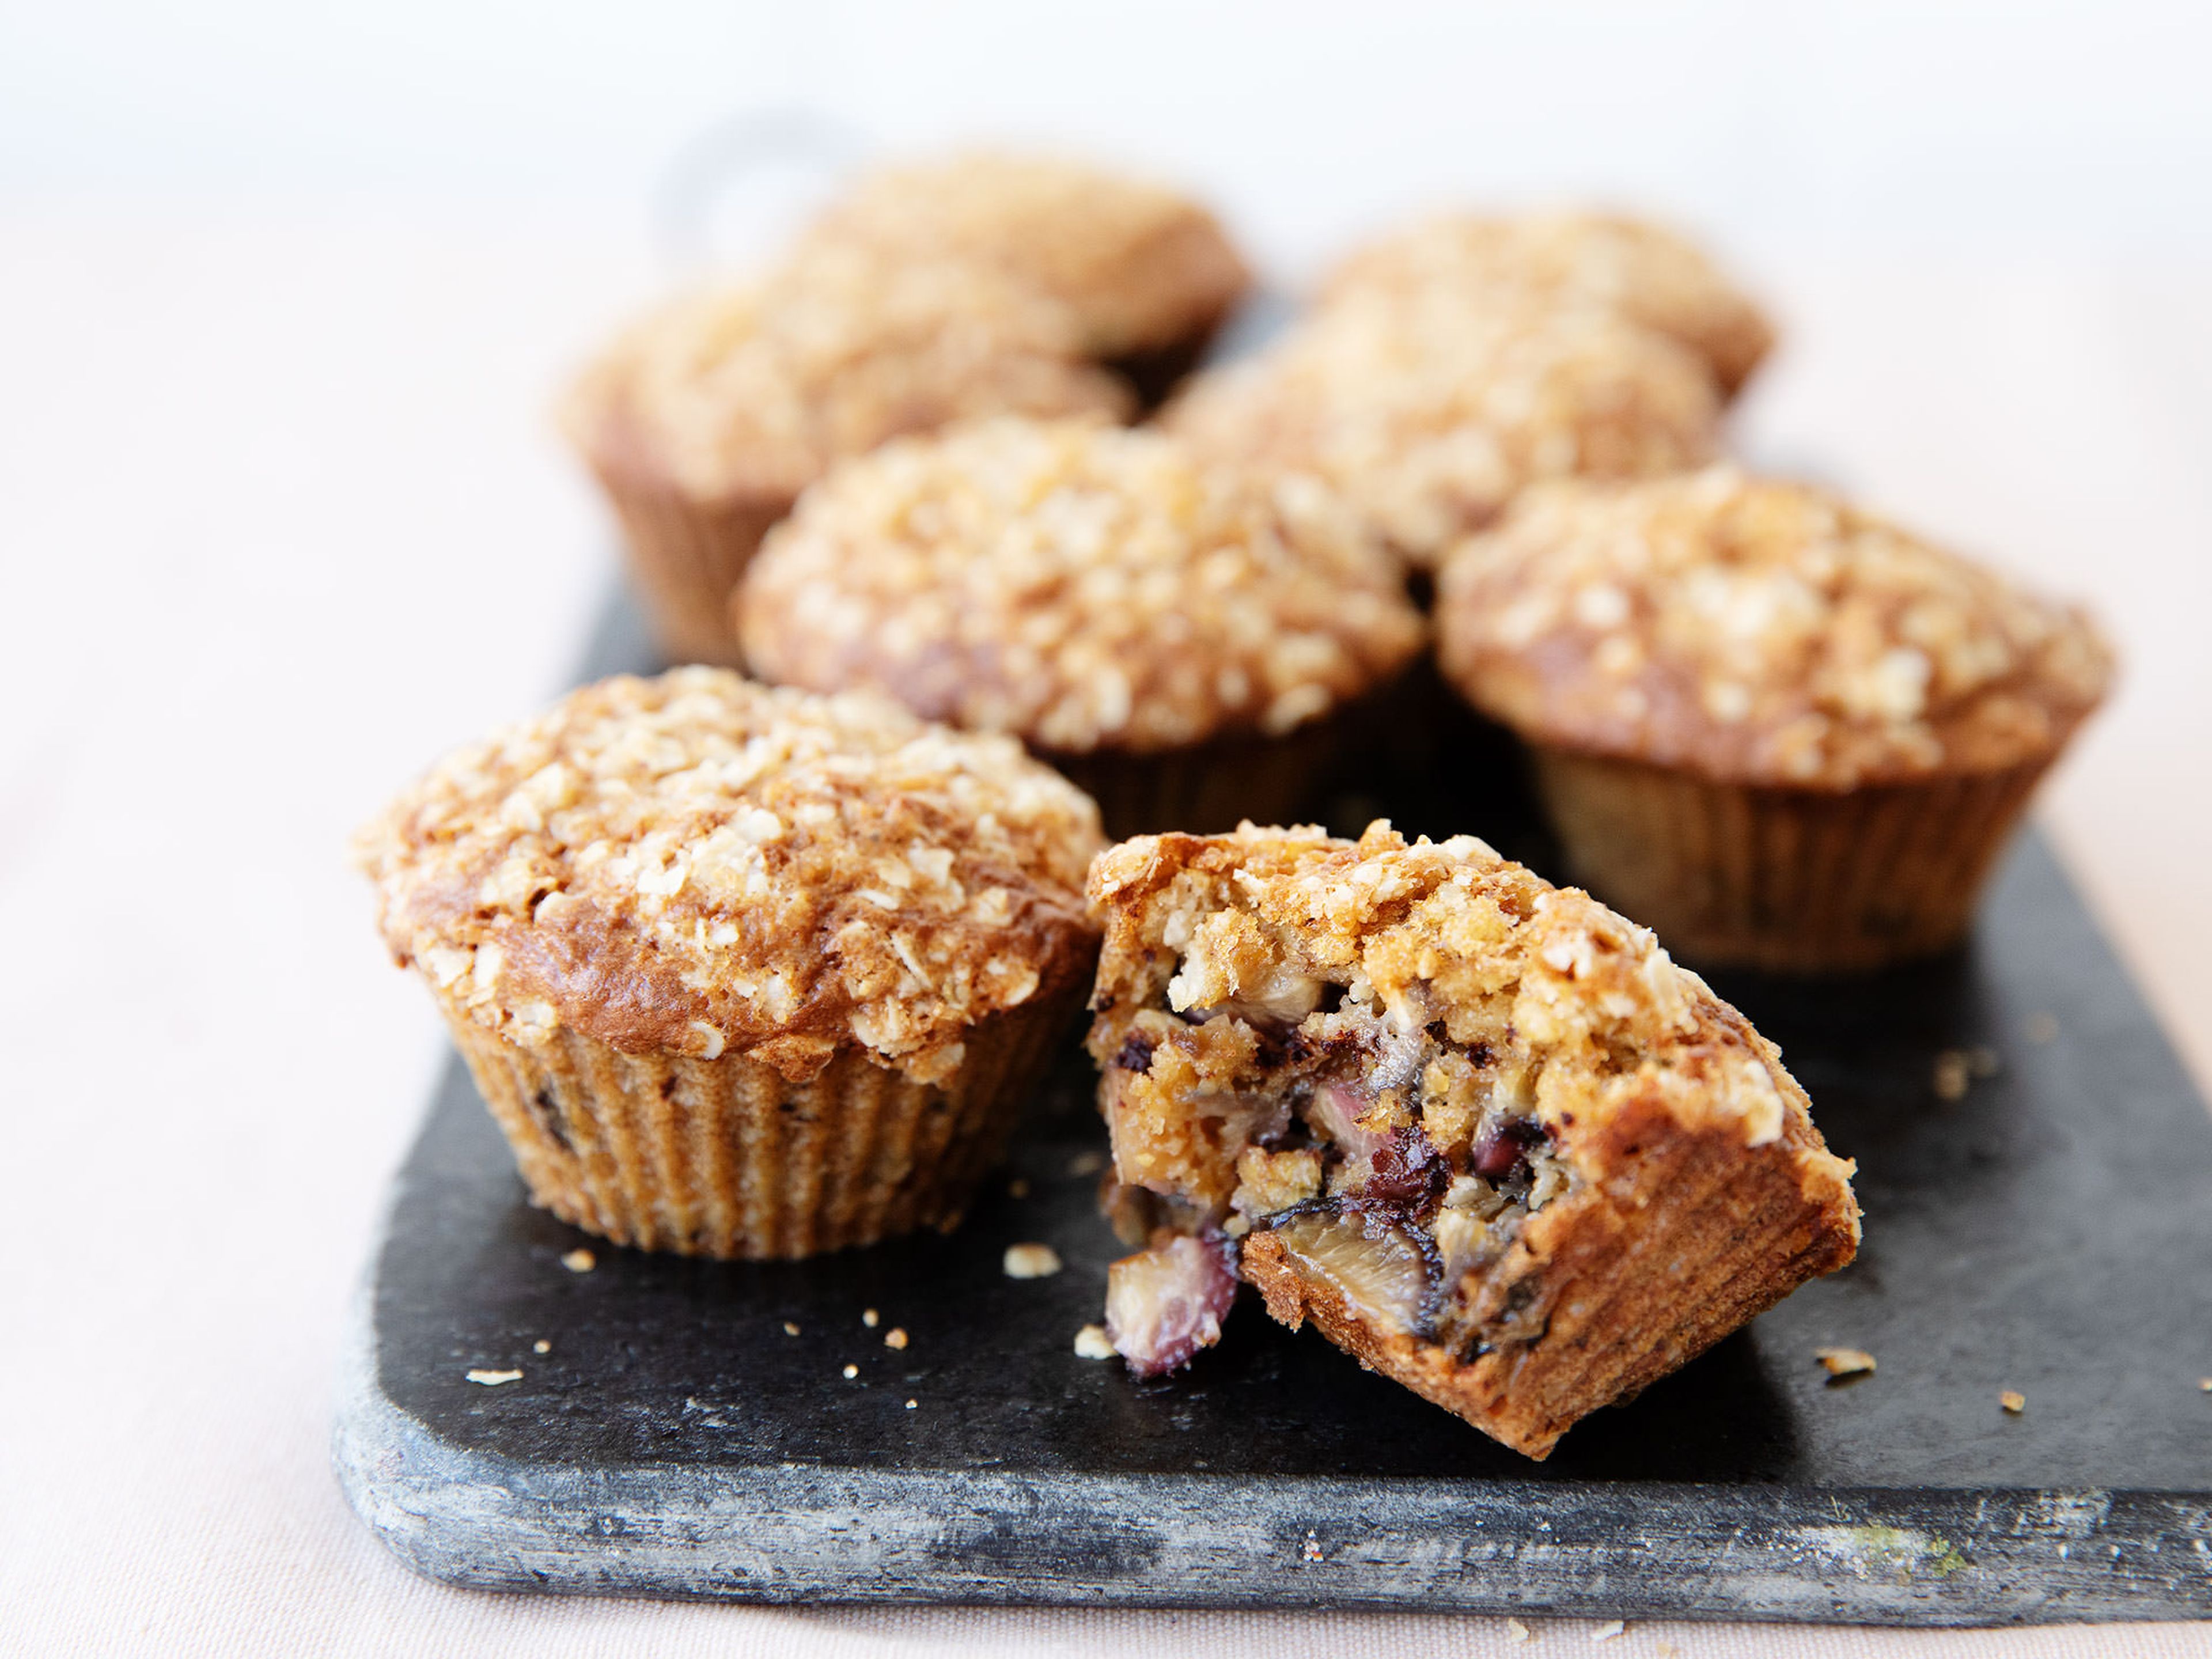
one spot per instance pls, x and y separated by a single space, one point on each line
1480 1130
1429 414
1776 727
1148 273
1182 639
705 421
1640 272
743 972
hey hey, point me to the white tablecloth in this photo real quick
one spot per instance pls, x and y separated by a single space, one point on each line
283 518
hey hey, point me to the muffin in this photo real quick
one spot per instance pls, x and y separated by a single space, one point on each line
1185 641
1148 273
705 421
1480 1130
1779 730
743 972
1641 272
1428 416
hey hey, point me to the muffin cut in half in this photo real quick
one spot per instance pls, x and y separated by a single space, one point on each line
1185 641
1480 1130
743 972
1776 728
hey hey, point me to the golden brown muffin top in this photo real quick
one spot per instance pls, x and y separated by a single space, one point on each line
755 389
1643 272
1760 632
698 864
1577 1007
1429 414
1083 586
1140 266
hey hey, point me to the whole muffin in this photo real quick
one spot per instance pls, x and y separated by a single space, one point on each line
1428 415
1779 730
743 972
1642 272
1478 1129
1148 273
1181 639
705 421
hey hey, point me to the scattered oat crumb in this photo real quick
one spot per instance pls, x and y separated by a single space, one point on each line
580 1261
790 1327
895 1337
851 1371
911 1404
1314 1550
2013 1400
2042 1028
1951 1075
541 1345
1018 1187
869 1317
1085 1164
1091 1342
1607 1631
493 1379
1984 1061
2205 1383
1845 1361
1516 1630
1032 1262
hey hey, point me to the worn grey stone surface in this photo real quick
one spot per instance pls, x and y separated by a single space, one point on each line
2050 1233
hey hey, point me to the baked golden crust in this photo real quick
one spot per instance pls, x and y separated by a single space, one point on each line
1640 270
696 865
1085 587
748 392
1429 414
1142 267
1384 1054
1758 632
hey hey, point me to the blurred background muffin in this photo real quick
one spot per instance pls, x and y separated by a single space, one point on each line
1149 273
1180 638
704 421
743 972
1774 728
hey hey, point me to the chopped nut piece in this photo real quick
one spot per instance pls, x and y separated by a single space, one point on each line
895 1337
1091 1342
541 1345
851 1371
789 1329
1845 1361
2013 1400
1951 1077
493 1379
2042 1028
1607 1631
1516 1630
580 1261
869 1317
1017 1187
1032 1262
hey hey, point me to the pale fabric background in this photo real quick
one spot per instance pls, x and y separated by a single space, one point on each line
281 300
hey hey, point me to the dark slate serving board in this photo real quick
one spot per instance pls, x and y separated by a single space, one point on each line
2049 1232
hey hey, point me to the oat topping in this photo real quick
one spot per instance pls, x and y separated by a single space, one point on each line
491 1379
1758 631
581 1261
699 864
1030 1261
1842 1363
1429 414
1084 587
754 389
1642 272
1139 265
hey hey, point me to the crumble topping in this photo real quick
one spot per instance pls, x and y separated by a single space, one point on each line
1140 266
1760 631
1642 272
1429 414
1082 587
755 388
699 864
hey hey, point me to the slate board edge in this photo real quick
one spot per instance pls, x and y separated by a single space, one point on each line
808 1534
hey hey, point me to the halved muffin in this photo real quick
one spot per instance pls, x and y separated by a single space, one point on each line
1480 1130
743 972
1183 640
